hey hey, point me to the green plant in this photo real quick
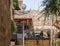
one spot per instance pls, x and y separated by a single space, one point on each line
58 42
58 39
13 29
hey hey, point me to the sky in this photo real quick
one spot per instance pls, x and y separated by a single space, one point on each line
33 4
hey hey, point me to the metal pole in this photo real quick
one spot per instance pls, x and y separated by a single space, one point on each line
23 33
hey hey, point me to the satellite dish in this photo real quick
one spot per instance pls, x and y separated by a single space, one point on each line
24 6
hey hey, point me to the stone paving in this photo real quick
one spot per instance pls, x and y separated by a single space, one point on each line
13 44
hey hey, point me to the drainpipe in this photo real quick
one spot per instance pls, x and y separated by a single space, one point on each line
51 31
23 33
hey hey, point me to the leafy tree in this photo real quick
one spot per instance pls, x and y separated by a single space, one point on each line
52 7
16 5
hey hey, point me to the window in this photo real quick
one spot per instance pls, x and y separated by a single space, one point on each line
19 28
